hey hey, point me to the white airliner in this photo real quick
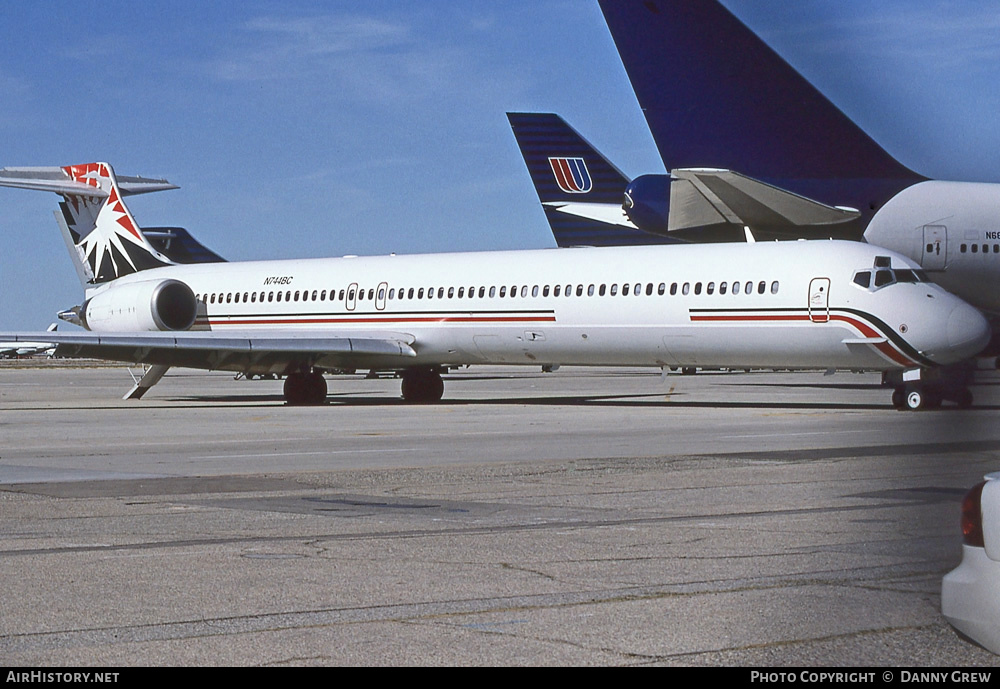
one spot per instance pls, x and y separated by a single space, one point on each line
15 349
802 305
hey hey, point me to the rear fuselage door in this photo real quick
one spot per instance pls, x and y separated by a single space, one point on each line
819 300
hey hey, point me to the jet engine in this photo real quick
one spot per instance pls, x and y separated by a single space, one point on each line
141 306
647 203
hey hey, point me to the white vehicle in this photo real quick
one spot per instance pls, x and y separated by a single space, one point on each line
802 305
970 594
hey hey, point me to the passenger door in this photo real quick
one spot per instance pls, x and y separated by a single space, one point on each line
935 248
819 300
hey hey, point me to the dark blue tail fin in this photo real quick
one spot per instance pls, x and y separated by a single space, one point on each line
580 190
715 95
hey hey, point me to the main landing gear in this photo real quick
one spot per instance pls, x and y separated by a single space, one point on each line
918 389
305 387
422 385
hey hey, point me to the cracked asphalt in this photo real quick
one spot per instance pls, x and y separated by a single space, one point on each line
586 517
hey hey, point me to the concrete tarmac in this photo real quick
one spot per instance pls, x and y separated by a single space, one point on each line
583 517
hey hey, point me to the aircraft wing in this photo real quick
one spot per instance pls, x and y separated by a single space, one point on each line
700 197
233 351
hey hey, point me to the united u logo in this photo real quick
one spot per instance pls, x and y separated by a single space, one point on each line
572 175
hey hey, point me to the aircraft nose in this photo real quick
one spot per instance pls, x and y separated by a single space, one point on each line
968 332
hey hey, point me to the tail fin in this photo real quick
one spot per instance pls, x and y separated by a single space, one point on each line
580 190
103 238
715 95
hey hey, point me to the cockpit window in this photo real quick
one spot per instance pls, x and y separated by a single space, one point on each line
887 276
883 278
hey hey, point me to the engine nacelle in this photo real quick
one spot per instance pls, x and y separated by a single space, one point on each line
647 203
139 306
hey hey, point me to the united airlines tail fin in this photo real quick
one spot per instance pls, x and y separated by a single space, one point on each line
715 95
580 190
103 238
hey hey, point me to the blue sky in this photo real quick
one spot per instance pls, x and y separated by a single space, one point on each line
323 128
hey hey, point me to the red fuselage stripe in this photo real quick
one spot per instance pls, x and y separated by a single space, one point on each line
865 329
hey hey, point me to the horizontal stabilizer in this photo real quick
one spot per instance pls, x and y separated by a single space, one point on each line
701 197
57 180
608 213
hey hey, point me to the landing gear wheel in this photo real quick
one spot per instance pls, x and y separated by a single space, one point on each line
293 389
422 385
305 388
915 400
314 388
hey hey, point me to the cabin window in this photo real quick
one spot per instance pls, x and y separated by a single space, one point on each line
736 288
440 292
761 287
253 297
288 295
722 288
381 293
614 290
625 290
482 292
503 291
451 292
579 290
673 288
590 291
314 295
545 291
229 297
686 288
557 290
534 291
662 289
524 291
975 248
748 288
962 248
637 290
420 293
774 287
710 288
279 296
649 289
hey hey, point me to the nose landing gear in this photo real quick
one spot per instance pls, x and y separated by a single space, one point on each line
918 389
